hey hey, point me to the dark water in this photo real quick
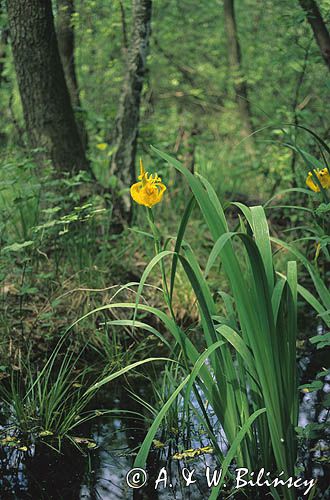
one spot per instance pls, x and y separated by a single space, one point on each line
42 474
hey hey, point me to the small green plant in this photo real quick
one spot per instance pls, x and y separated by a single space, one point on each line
54 402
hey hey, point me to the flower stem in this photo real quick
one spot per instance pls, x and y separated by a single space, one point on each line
157 236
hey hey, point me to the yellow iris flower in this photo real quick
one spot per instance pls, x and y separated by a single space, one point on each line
324 178
149 190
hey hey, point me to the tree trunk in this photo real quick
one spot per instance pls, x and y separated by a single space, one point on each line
66 45
47 108
123 160
240 85
189 141
3 43
319 28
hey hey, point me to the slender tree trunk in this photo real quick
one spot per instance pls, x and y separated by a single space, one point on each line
123 160
3 45
4 32
319 28
235 63
189 144
66 45
47 108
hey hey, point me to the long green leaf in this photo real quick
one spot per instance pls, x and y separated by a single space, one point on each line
233 450
142 455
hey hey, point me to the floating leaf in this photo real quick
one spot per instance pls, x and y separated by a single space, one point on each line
85 441
158 444
193 452
45 433
9 439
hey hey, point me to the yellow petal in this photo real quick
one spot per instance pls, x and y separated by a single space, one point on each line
102 146
142 171
135 192
311 184
324 178
148 194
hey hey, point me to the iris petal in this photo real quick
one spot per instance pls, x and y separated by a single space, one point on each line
149 190
324 178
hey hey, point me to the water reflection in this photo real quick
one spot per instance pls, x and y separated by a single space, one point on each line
101 474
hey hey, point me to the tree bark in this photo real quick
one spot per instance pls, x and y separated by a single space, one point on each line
321 33
66 45
122 163
187 138
47 108
3 44
235 63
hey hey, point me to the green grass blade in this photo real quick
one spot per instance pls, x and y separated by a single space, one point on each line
261 236
112 376
233 451
143 452
179 239
196 369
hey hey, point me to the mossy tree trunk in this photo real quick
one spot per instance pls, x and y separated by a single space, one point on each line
321 33
237 74
122 163
47 108
4 32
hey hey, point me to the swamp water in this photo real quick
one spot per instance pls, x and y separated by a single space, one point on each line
100 474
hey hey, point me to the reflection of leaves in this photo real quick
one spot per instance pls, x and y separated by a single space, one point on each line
322 460
321 340
326 401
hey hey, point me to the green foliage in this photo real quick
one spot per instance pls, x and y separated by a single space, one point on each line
188 101
55 401
231 290
264 336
